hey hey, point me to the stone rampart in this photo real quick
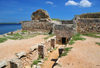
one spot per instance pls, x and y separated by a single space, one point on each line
37 25
88 25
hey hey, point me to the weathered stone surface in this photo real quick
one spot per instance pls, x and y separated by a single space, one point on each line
3 64
16 63
41 51
63 31
34 47
61 50
37 26
53 43
88 25
21 54
40 14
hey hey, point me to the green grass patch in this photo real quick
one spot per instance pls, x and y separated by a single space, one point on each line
55 48
46 58
98 43
50 35
15 36
92 35
3 40
75 38
66 50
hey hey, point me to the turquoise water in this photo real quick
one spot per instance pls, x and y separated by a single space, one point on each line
5 28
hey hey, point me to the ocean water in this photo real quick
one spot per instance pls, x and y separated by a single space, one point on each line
5 28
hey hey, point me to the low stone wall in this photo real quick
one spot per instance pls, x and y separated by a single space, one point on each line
67 22
36 25
88 25
23 59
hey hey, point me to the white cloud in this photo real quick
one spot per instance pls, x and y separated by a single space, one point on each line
82 3
71 2
49 2
85 3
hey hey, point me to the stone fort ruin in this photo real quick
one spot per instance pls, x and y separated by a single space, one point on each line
64 30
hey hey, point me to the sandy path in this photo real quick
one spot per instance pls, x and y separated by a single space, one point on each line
10 47
51 59
84 54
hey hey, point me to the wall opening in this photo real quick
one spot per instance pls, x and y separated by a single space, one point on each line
63 40
13 65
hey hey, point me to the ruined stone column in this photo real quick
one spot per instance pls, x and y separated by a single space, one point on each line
41 51
53 43
61 51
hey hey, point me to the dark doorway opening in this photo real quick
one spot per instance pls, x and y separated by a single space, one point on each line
13 65
63 40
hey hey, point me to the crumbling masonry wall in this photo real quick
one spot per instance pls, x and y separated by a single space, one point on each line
36 25
88 25
65 31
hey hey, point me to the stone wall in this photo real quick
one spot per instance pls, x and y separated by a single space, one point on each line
37 25
67 22
65 31
88 25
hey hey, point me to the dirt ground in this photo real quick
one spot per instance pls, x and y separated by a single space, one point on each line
9 48
84 54
52 57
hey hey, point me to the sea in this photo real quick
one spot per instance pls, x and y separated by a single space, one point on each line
5 28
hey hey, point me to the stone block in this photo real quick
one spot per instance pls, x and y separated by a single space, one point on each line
61 51
53 43
34 47
41 50
15 63
3 64
21 54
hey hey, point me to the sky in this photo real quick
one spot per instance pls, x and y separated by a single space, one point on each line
21 10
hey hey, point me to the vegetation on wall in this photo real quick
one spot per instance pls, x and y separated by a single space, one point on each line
55 19
90 15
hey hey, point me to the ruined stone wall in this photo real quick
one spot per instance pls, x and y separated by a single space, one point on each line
37 25
63 31
88 25
67 22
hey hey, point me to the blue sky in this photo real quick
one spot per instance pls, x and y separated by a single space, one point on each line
20 10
